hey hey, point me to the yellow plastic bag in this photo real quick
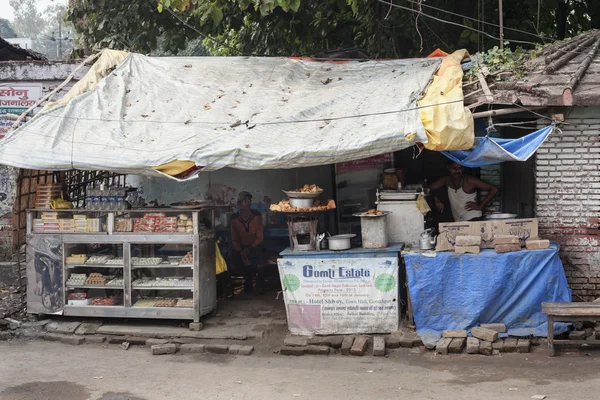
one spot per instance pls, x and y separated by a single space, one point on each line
221 264
422 204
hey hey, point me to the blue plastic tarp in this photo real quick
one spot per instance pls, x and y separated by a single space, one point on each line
489 150
461 291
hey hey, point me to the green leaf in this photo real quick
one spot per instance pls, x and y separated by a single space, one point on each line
295 5
216 14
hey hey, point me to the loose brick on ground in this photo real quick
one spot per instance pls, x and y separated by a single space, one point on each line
524 345
295 341
291 351
498 344
246 350
500 328
359 347
468 241
72 339
160 349
87 328
454 334
510 345
472 345
442 346
457 345
217 348
379 346
152 342
485 348
393 341
195 326
116 339
136 341
484 334
233 348
4 335
191 348
467 249
95 339
537 244
347 344
577 335
336 341
317 350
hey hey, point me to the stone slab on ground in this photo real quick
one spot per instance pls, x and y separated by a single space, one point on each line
161 349
500 328
317 350
217 348
136 340
87 328
524 345
577 335
63 338
295 341
467 249
35 324
291 351
331 341
191 348
231 332
347 345
195 326
116 339
510 345
233 348
467 240
408 340
485 348
484 334
32 333
62 327
472 345
379 346
454 334
442 347
246 350
359 347
152 342
94 339
457 345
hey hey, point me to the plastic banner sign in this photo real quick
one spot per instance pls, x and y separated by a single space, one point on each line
340 296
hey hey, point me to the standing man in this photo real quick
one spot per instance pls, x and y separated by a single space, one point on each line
247 236
462 193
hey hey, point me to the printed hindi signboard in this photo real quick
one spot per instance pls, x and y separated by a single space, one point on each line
16 99
340 295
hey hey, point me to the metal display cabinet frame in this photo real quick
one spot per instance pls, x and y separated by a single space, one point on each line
203 267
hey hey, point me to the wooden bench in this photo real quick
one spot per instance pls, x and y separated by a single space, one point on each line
569 312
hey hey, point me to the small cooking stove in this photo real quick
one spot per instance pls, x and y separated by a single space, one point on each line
405 222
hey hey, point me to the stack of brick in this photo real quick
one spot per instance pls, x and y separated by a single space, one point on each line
467 244
507 243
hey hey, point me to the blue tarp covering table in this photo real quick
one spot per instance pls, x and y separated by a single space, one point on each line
461 291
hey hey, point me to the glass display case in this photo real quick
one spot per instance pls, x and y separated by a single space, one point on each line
138 264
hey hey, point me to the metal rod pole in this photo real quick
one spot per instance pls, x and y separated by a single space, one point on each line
501 22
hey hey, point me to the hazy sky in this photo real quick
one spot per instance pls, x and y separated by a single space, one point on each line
6 10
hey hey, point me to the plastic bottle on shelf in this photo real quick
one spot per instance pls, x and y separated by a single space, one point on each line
121 198
88 197
103 197
112 198
93 198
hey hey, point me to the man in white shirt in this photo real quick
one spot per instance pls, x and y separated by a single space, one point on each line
462 193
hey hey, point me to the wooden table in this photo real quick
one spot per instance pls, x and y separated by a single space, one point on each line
569 312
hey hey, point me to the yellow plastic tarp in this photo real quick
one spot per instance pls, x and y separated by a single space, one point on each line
108 60
448 123
221 264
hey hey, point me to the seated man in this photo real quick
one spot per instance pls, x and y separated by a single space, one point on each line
462 193
247 236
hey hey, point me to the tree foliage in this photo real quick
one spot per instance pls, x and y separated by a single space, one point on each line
320 27
6 29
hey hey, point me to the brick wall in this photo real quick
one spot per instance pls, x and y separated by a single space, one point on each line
568 199
492 174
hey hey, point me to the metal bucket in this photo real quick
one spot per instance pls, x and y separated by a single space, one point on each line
373 231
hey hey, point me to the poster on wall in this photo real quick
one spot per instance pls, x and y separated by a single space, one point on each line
376 162
16 99
340 296
44 274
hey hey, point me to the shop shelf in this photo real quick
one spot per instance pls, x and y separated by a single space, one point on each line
94 265
162 288
71 287
162 266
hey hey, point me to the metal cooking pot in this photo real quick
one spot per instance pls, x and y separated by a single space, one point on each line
340 242
302 203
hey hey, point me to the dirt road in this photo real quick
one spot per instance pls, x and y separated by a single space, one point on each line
53 371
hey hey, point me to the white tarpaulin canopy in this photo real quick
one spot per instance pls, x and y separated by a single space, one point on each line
245 113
